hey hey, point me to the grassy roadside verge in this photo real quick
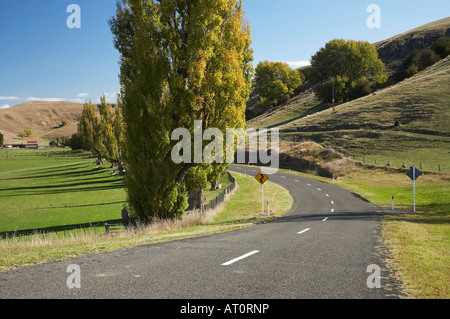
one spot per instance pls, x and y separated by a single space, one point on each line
419 242
241 210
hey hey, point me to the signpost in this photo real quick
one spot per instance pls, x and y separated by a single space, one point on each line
262 178
414 174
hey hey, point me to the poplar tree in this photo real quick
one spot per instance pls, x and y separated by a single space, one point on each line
103 134
108 125
89 128
181 61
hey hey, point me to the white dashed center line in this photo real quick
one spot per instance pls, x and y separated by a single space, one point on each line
240 258
303 231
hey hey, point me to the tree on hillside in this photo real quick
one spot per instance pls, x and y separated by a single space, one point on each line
181 61
419 60
442 47
427 58
275 80
342 64
1 139
64 123
26 133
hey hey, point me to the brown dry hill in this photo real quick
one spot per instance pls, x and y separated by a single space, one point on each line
43 118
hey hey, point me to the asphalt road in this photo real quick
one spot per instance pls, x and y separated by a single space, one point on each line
322 249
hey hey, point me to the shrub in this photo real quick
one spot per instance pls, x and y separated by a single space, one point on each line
427 59
441 47
412 70
362 88
26 133
285 99
77 142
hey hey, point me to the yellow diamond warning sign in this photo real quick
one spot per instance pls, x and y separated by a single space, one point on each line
262 178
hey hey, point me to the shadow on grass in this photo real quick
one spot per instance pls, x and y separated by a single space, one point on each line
82 206
63 188
422 218
53 175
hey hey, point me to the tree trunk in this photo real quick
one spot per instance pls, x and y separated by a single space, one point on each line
196 200
214 185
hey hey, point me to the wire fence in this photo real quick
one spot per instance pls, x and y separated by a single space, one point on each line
216 201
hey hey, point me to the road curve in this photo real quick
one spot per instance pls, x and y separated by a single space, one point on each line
324 247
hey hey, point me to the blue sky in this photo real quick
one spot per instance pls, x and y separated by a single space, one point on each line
42 59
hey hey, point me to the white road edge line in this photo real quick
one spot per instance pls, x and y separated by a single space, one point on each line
297 181
325 219
327 195
319 189
332 210
303 231
332 202
240 258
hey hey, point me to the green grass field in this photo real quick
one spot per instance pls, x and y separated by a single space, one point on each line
56 187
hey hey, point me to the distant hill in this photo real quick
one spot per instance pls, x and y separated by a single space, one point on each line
43 118
394 50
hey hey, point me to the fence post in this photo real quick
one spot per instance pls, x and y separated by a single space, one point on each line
107 228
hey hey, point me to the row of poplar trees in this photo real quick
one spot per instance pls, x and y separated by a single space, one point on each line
102 130
181 61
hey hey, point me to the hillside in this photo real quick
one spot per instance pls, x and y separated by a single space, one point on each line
43 118
407 122
394 50
366 127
